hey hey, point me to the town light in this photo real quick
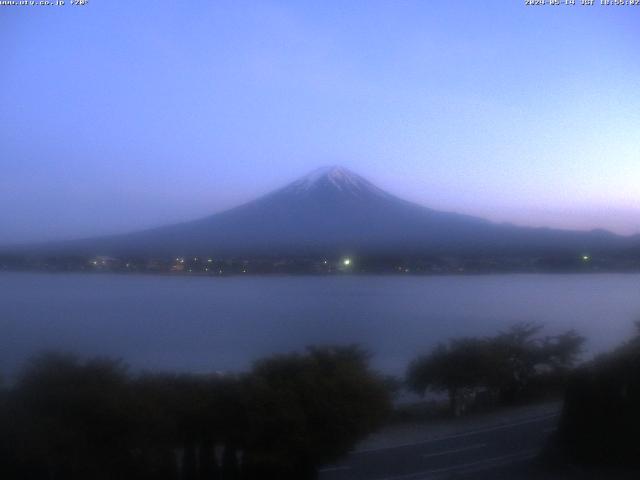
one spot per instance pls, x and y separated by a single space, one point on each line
346 262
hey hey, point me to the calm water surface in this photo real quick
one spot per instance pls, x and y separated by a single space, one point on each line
203 324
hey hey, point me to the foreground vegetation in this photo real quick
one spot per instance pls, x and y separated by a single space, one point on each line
70 419
500 369
600 424
66 419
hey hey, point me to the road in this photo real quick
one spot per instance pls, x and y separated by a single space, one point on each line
503 451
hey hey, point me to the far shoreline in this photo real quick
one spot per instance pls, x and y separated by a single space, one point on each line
54 272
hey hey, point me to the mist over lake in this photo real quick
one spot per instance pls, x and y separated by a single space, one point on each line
204 324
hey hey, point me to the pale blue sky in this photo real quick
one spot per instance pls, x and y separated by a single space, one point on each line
129 114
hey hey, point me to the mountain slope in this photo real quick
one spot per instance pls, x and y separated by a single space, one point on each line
333 211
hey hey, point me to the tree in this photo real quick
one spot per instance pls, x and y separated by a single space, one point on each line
309 409
561 353
452 368
600 422
182 418
503 365
71 419
514 356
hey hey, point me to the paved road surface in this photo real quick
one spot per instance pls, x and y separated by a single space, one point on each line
504 451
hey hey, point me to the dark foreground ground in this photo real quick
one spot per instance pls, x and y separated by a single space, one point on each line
503 450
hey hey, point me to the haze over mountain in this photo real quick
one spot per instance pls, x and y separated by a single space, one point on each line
333 211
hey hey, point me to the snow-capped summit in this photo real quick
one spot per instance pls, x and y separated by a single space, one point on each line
337 178
334 173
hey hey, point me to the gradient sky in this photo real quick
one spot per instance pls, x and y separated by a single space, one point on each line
127 114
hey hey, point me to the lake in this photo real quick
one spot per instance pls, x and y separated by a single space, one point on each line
202 324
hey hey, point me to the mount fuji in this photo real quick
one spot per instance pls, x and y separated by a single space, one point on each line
332 211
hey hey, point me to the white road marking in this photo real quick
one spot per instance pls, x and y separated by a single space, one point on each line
459 435
454 450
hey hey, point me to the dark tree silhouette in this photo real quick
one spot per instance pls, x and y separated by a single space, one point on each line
309 409
600 423
454 368
514 356
503 365
72 419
